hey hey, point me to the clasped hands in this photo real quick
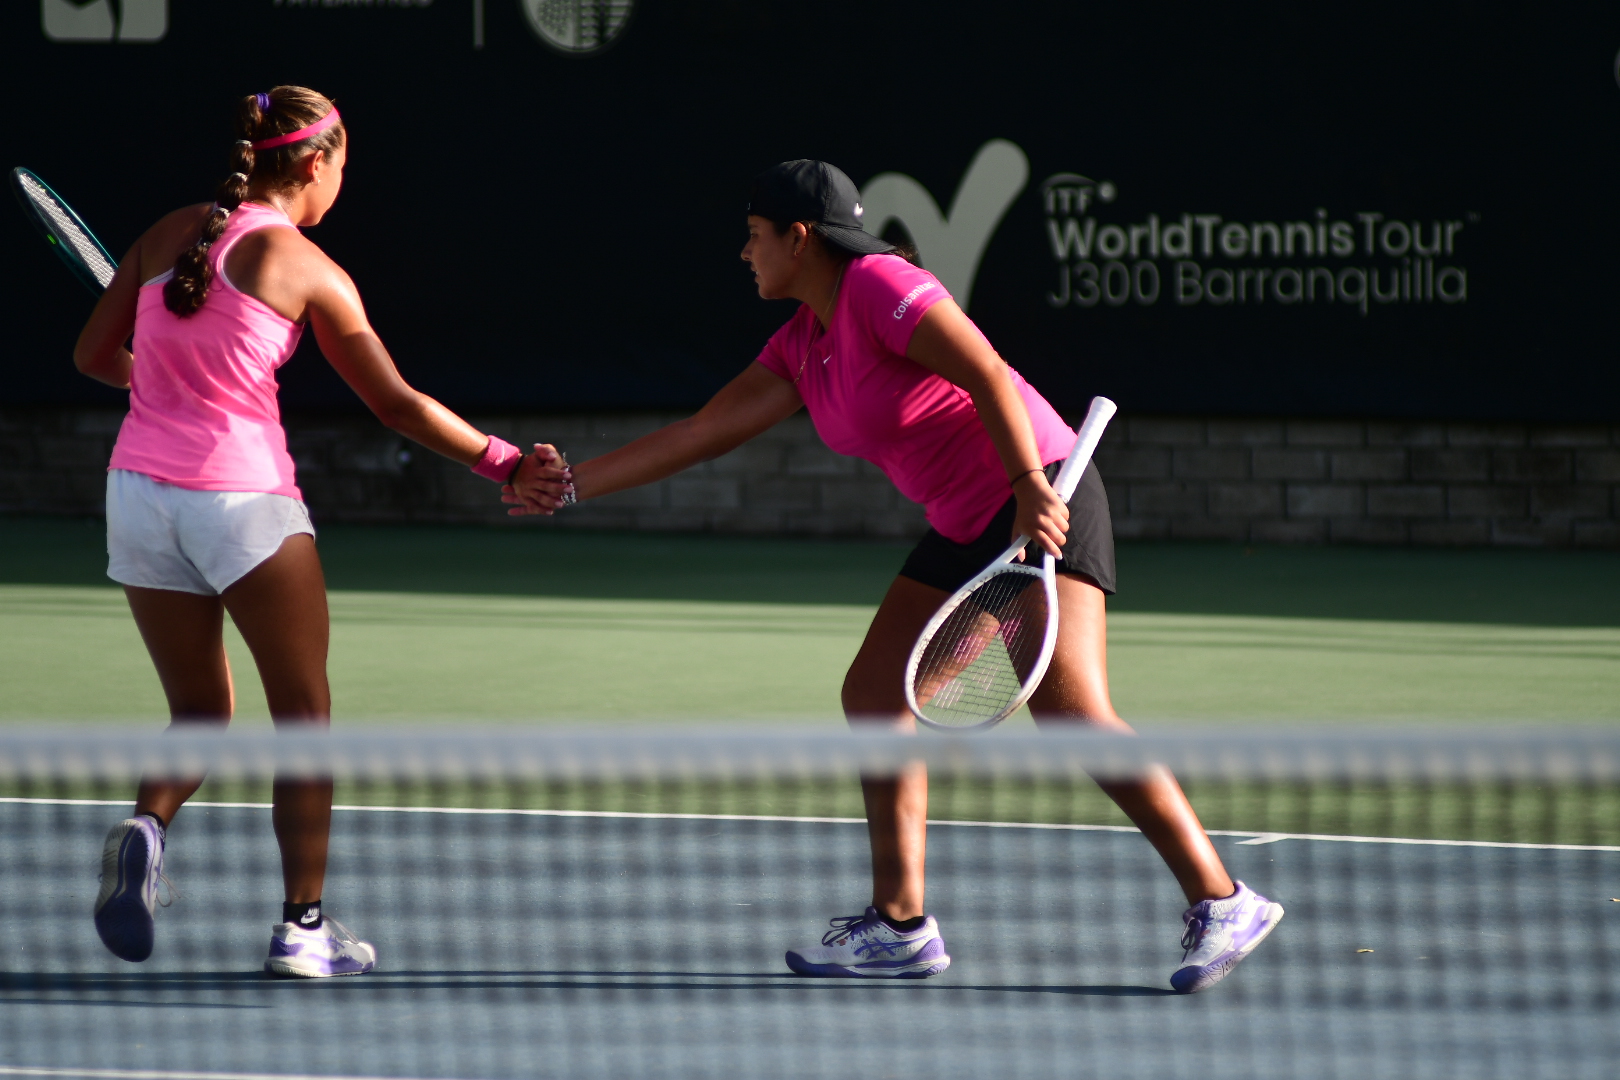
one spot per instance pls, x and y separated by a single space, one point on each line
542 483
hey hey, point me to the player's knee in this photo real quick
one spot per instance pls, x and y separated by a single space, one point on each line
203 701
311 708
867 700
850 696
199 715
1095 720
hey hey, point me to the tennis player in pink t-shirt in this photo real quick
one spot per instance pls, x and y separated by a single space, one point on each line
892 371
204 514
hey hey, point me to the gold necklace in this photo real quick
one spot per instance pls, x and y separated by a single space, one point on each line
839 284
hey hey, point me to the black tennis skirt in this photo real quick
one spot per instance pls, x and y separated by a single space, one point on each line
1088 550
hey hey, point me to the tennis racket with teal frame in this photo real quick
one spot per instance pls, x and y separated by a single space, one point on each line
68 236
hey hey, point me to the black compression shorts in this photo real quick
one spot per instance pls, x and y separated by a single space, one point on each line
1088 550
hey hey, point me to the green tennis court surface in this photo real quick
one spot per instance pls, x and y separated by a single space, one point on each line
532 624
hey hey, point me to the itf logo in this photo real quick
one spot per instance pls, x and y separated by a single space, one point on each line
104 20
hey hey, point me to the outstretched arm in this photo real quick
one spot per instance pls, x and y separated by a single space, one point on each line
357 354
353 349
754 401
948 344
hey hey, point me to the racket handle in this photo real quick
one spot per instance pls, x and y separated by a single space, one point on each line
1091 432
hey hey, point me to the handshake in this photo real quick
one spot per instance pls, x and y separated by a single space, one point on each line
542 483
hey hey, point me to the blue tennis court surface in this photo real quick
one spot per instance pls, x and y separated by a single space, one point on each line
545 946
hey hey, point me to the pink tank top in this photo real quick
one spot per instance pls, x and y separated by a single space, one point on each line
202 398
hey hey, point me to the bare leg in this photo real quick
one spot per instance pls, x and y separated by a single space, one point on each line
184 635
1075 690
897 806
280 608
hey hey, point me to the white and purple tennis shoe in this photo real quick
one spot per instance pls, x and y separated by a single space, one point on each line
131 867
866 947
1220 933
318 952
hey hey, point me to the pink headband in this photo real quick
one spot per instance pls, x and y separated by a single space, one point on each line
301 134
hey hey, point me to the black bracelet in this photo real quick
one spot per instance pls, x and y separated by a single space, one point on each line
511 476
1014 481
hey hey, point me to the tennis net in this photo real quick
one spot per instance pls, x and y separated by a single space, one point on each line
617 903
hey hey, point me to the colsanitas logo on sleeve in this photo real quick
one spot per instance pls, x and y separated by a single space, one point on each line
104 20
951 244
911 298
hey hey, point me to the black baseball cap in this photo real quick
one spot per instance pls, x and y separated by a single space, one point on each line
806 190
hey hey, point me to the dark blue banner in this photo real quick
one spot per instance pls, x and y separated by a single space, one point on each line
1327 209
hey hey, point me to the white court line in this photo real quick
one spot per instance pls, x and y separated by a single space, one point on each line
479 810
157 1074
1255 837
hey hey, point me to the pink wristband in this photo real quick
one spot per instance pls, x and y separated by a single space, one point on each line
500 458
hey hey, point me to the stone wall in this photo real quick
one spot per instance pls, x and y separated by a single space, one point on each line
353 469
1363 482
1254 481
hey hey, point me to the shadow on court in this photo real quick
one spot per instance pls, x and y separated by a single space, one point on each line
1523 587
134 988
1395 959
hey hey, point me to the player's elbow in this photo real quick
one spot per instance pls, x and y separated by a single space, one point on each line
86 359
711 436
989 374
696 439
96 365
399 412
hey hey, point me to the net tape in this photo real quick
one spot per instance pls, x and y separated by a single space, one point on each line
719 753
67 230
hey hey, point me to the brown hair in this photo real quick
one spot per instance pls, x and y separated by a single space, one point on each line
291 108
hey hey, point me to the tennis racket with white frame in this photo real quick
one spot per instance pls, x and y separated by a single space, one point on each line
71 239
987 648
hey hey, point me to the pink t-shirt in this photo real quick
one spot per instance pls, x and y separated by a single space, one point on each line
203 412
868 401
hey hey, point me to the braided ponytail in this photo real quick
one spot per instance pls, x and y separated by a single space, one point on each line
283 110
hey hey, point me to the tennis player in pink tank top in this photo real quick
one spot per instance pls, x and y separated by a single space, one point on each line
891 370
204 514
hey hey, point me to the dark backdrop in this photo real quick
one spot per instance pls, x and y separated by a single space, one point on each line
538 231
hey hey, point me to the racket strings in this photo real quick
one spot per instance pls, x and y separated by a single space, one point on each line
979 660
67 230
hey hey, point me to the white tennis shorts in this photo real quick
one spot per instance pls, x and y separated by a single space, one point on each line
164 537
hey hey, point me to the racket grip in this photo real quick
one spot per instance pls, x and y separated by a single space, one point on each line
1091 432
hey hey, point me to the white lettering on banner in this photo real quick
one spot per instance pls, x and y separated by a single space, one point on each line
1071 238
146 21
911 296
951 246
104 20
1115 264
1400 260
